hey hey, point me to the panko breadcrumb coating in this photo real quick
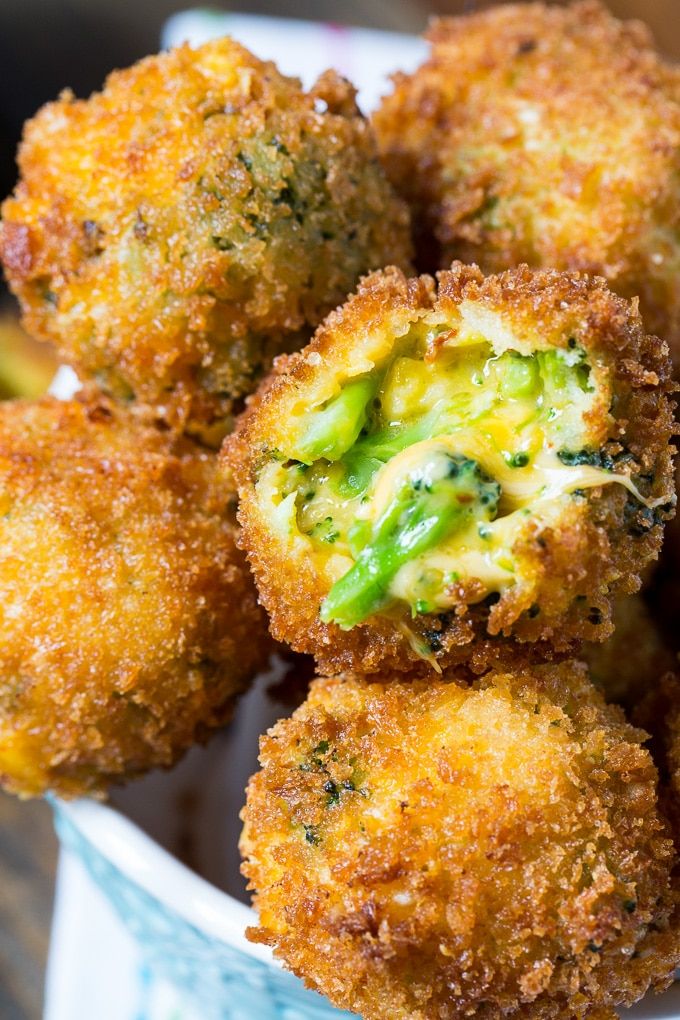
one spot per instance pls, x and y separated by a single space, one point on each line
199 215
128 619
430 849
548 135
628 664
451 468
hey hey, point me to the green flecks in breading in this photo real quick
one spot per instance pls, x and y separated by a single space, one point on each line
331 773
314 759
312 835
48 296
222 243
288 197
436 497
333 792
336 790
639 520
245 160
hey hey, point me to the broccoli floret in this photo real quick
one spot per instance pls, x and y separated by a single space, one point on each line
435 499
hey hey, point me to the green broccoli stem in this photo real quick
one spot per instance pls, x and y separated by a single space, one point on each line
334 429
370 453
437 498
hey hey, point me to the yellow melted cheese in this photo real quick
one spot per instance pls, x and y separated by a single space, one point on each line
544 478
483 553
486 419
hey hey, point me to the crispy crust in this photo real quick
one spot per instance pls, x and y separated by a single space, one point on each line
548 135
198 216
128 619
599 548
498 850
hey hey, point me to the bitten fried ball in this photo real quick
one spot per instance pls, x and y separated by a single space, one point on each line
452 469
628 664
548 135
128 620
199 215
429 849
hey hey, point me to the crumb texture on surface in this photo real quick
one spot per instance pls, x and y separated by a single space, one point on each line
435 849
548 135
128 619
202 213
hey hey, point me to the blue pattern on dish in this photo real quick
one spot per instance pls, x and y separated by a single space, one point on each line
217 981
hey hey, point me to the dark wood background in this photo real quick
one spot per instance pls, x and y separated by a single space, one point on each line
28 851
44 45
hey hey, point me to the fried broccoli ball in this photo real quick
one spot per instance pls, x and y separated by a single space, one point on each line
547 135
628 664
430 849
451 469
196 217
128 620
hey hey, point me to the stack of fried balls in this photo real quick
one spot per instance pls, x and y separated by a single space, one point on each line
451 489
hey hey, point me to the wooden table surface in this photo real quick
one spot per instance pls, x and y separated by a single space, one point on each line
28 854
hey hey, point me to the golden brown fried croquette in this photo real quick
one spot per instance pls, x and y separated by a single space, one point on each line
548 135
128 620
449 469
628 664
199 215
430 849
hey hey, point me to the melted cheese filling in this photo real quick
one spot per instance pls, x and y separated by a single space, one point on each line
483 552
513 412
